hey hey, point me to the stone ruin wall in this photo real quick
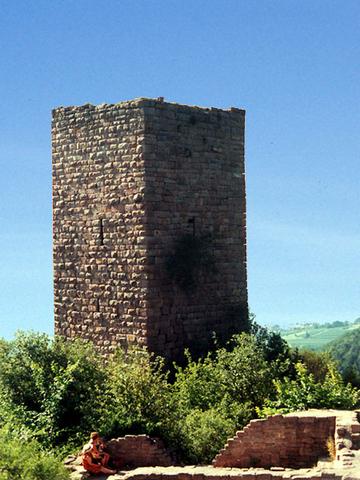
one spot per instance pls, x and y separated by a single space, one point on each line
129 180
134 451
281 441
305 445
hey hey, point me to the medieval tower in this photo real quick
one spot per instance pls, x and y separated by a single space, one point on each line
149 225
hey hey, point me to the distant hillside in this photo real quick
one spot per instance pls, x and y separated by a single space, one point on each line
346 350
315 336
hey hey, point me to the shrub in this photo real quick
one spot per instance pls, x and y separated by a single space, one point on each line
304 392
58 392
207 401
204 433
317 363
198 385
51 387
138 396
280 358
245 374
23 459
238 375
217 395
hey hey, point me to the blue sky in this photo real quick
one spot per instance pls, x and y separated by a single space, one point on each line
293 65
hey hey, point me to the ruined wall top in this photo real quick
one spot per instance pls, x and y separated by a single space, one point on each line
143 102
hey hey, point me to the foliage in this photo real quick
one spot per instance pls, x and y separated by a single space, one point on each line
275 349
245 372
346 350
228 379
57 392
304 392
218 395
198 384
209 399
138 397
352 375
204 434
51 387
22 458
317 363
271 343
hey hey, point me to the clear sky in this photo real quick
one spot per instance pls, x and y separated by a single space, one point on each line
292 64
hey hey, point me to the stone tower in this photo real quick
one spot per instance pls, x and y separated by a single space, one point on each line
149 225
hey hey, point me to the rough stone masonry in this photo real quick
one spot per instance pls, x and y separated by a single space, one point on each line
149 227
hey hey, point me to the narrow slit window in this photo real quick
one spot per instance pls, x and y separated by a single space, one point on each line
191 221
101 231
98 305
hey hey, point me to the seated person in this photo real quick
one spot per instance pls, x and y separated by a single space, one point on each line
94 459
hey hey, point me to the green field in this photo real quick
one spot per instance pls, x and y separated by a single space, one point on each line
315 338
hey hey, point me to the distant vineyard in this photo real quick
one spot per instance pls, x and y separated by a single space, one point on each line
316 336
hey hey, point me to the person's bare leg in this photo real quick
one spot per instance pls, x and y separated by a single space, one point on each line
107 471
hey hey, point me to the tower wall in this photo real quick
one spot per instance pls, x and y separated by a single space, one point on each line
139 187
195 186
98 237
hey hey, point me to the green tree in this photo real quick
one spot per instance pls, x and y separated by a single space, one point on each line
236 378
138 396
50 386
346 351
275 350
317 363
217 395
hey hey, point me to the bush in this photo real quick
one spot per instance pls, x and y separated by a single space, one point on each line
23 459
238 374
217 395
280 358
304 392
245 374
51 387
204 433
317 364
198 385
138 397
58 392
